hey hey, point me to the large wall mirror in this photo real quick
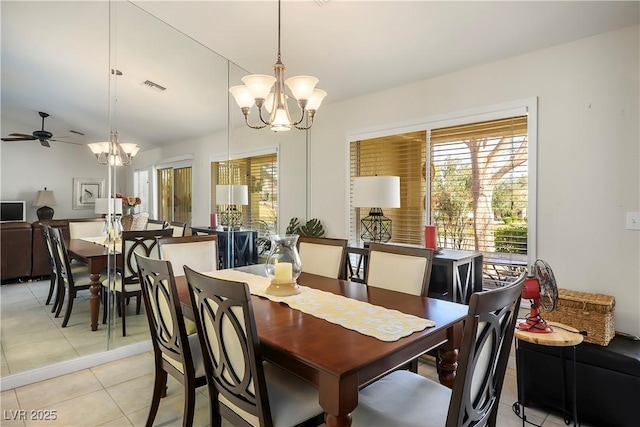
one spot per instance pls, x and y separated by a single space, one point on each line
102 70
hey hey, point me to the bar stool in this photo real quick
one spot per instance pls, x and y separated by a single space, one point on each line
562 336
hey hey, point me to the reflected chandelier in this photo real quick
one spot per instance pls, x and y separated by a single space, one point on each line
257 90
113 152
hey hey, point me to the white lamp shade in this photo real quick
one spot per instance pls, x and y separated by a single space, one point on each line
45 198
130 148
280 120
259 84
102 206
232 194
242 95
301 86
316 99
376 192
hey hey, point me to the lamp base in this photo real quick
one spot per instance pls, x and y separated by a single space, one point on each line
45 213
283 289
376 227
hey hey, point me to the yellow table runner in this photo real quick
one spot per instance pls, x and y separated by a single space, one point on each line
368 319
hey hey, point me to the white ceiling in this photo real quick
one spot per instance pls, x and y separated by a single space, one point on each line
55 55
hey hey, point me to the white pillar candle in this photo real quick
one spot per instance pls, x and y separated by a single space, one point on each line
284 272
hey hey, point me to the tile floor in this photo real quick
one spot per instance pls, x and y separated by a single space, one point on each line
32 337
116 393
119 394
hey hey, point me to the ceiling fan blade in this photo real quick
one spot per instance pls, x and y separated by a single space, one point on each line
66 142
23 135
44 143
18 139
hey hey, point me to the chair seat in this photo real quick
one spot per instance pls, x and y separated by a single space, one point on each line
399 400
291 400
196 356
81 277
131 287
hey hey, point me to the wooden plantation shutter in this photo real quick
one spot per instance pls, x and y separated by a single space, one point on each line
398 155
479 185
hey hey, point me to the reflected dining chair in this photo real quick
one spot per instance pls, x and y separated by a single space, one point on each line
399 268
157 224
179 228
126 283
69 282
323 256
55 292
243 388
174 352
404 398
199 252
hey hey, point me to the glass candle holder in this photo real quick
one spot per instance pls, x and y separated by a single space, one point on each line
283 265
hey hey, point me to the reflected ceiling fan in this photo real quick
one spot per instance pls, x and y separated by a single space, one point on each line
41 135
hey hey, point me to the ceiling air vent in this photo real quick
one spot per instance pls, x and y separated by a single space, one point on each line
154 86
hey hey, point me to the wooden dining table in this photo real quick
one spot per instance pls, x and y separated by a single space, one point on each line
339 361
96 257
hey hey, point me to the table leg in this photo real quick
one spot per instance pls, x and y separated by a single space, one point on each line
448 356
94 299
338 397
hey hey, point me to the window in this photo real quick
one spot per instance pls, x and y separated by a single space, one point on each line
260 174
396 155
174 194
475 192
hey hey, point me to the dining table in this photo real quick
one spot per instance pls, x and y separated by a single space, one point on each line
96 257
339 361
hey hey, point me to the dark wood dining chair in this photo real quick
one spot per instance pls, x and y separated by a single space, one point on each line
408 399
323 256
243 388
54 271
126 283
175 353
399 268
199 252
69 282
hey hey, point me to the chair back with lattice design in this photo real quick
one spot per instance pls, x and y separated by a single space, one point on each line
144 243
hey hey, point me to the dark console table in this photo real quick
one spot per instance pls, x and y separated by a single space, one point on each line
243 251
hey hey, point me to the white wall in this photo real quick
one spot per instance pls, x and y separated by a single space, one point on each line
588 153
28 167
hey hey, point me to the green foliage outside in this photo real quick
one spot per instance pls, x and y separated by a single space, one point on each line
452 202
511 239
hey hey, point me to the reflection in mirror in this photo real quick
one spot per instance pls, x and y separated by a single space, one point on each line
45 68
170 98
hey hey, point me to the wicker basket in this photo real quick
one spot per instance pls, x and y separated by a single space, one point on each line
586 312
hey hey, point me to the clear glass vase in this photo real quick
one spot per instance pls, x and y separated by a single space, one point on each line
283 265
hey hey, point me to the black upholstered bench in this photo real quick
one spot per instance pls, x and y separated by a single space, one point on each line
608 384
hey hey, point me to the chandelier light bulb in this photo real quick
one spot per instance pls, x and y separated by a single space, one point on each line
301 86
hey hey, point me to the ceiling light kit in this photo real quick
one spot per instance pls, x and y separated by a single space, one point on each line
257 90
114 152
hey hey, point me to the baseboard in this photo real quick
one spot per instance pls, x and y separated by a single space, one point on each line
20 379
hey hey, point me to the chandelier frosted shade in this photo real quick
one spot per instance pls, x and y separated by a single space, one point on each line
114 153
259 85
301 86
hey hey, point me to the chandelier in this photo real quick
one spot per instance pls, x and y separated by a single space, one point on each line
113 152
257 90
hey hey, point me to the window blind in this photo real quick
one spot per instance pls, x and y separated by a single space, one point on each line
397 155
478 187
260 174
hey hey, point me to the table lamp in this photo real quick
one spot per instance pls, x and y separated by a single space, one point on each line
376 192
45 198
231 195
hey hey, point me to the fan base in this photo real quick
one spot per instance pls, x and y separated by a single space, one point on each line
535 324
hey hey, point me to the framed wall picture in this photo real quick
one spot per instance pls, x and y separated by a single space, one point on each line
86 191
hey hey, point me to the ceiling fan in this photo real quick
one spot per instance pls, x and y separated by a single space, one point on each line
42 135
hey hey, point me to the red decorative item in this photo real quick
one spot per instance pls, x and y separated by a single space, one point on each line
213 220
430 237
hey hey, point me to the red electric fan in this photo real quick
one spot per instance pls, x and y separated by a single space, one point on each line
539 287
